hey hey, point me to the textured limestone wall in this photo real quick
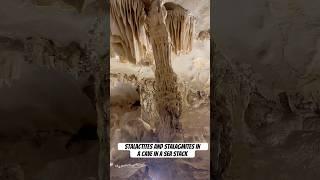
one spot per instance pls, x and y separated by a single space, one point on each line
274 56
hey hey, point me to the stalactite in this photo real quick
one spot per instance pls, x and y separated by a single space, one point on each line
128 30
129 37
180 24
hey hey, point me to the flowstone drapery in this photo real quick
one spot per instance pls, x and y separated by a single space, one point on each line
180 25
128 36
129 31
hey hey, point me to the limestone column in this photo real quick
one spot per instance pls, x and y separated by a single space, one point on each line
167 96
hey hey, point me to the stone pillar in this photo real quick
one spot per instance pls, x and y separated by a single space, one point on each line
167 96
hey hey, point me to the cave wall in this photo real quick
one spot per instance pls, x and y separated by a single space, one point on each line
268 67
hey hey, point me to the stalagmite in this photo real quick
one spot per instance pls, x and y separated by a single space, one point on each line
180 24
128 36
167 96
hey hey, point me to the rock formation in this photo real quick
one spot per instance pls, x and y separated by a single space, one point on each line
204 35
128 33
129 36
180 24
82 62
163 97
167 96
77 55
274 96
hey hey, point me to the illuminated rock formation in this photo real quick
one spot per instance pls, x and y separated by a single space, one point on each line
81 51
180 24
167 96
190 96
128 36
